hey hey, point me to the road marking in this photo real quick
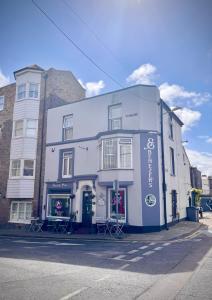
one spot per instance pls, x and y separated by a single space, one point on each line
135 259
133 242
119 257
148 252
158 248
143 247
123 267
103 278
69 296
48 243
152 244
132 251
166 244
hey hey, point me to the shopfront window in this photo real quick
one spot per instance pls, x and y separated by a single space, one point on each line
59 206
118 204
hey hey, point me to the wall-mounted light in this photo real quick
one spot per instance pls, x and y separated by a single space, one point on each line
84 148
53 149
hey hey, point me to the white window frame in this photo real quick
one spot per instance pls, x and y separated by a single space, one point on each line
35 128
22 169
18 220
11 168
14 131
24 92
23 164
33 97
125 203
63 196
111 119
2 103
64 127
68 164
120 141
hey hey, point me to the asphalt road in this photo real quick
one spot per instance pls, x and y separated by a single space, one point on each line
79 269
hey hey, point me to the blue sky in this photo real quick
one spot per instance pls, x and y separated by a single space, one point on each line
162 42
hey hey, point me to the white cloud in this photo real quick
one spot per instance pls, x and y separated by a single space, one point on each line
201 160
207 138
175 94
189 117
145 74
3 79
92 88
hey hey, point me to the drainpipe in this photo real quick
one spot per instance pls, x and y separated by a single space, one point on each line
39 207
163 165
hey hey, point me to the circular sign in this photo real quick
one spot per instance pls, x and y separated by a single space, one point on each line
150 200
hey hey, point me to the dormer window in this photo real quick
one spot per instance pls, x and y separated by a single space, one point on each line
115 117
21 91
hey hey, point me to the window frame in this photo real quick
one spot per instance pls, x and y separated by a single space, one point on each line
172 162
20 220
33 169
60 168
3 103
118 153
64 128
35 128
21 174
14 131
63 196
29 91
68 164
110 190
11 168
110 119
24 92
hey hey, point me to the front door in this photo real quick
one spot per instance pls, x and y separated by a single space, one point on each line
87 209
174 204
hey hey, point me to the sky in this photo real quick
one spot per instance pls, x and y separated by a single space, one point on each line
119 43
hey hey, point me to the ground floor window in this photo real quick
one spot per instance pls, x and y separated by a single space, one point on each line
59 206
117 205
20 211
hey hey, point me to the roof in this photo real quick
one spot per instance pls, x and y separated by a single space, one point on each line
31 67
168 109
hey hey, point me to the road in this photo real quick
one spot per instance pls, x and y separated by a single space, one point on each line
33 268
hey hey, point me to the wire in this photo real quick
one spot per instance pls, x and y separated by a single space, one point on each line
94 34
74 44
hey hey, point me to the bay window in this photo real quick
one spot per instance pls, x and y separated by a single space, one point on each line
28 169
21 91
16 168
116 153
20 212
33 90
31 128
19 128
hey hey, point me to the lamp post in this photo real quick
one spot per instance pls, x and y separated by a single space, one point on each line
164 187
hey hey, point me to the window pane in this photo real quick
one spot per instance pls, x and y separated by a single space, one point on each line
110 154
115 112
68 127
33 90
121 204
21 211
31 128
67 164
58 206
125 156
115 117
14 211
28 211
21 91
28 168
15 167
68 133
19 125
1 103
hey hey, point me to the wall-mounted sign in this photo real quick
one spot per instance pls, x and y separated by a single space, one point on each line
131 115
101 199
150 179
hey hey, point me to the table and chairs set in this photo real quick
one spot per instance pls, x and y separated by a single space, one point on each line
112 226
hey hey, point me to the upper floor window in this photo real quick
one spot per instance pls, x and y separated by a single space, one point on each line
21 91
1 103
19 128
172 162
67 164
33 90
116 153
171 135
28 169
31 128
115 117
67 127
16 168
22 167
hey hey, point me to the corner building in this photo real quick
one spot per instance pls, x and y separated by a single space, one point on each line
116 137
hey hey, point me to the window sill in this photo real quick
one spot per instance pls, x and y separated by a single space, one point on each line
22 177
116 169
24 221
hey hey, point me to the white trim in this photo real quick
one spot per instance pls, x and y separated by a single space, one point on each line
63 196
23 221
21 176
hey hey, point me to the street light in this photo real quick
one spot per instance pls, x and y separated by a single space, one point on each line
164 187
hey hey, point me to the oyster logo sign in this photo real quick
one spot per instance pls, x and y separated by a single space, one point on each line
150 200
150 146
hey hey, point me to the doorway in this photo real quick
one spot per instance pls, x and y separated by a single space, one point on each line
87 209
174 204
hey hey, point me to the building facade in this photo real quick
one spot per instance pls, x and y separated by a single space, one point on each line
205 185
34 91
196 178
104 157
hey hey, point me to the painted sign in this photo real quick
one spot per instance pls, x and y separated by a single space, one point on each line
150 179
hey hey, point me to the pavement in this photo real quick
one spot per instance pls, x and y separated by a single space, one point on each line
177 231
